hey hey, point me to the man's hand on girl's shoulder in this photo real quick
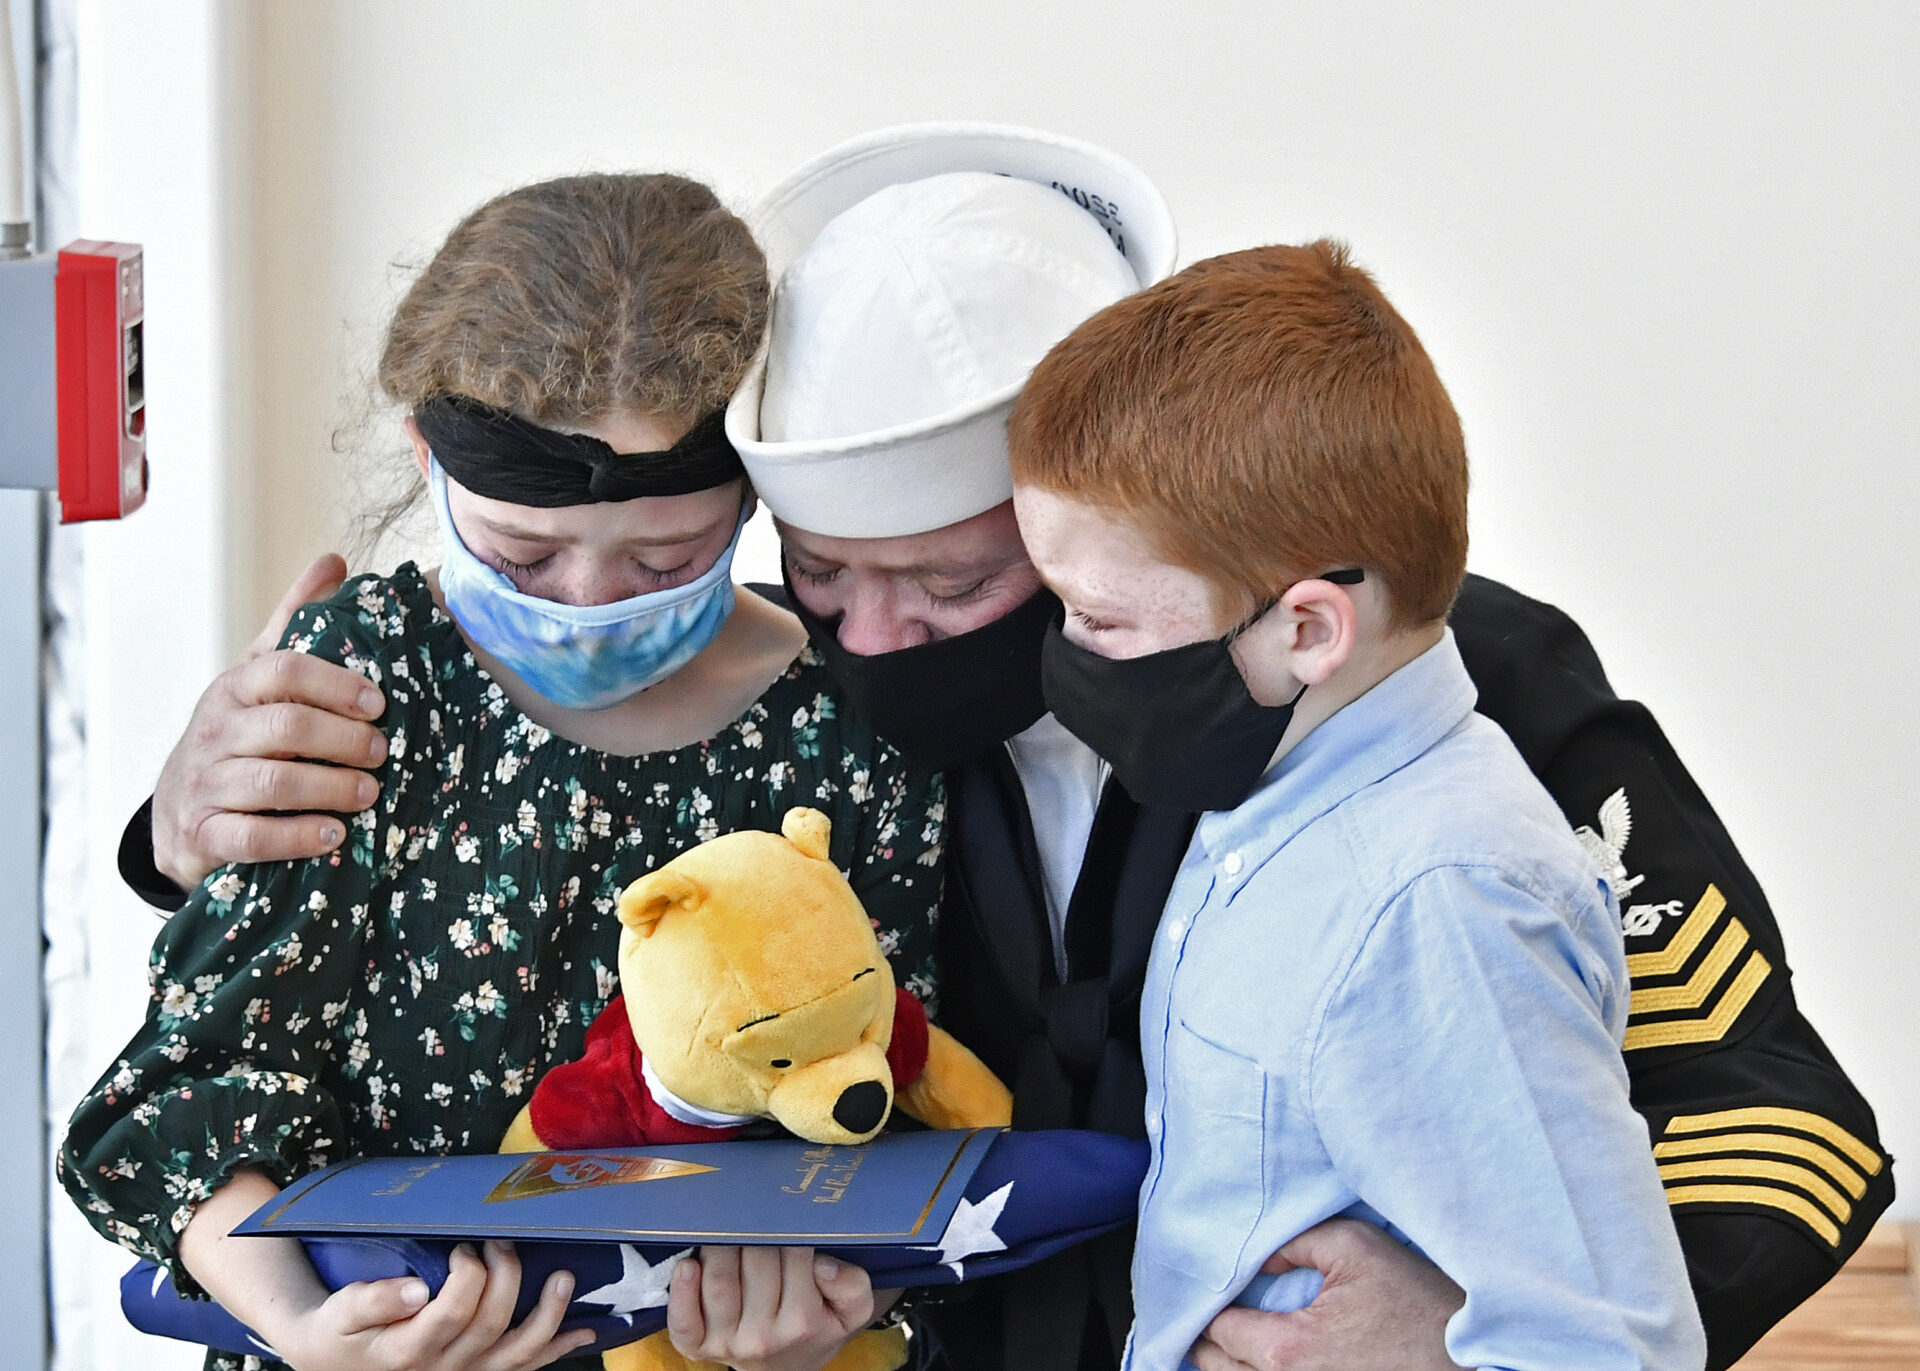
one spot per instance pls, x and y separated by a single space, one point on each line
1382 1308
246 783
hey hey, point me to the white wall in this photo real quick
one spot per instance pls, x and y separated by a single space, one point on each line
1664 256
23 1208
145 603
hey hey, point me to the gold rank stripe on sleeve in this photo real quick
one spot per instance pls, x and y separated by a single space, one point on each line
1694 991
1680 947
1785 1200
1761 1169
1709 1159
1779 1144
1773 1116
1711 1028
1715 992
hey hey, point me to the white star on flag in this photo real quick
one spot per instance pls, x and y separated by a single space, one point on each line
970 1231
640 1286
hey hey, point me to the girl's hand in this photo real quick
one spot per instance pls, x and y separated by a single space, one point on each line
766 1308
392 1326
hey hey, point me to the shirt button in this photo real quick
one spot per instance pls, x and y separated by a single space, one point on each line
1231 863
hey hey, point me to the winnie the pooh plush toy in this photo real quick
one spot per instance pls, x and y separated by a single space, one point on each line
752 987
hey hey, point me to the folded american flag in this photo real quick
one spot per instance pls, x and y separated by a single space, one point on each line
1034 1194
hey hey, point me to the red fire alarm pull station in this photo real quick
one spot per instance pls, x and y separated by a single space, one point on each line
100 313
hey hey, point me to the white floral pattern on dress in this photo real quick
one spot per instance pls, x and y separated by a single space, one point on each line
292 1025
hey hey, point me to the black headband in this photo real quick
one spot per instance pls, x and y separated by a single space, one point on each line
494 453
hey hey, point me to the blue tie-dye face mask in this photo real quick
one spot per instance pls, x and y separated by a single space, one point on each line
581 656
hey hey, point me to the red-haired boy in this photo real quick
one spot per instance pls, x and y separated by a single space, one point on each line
1388 983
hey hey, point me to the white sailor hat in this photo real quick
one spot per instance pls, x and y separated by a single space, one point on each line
915 289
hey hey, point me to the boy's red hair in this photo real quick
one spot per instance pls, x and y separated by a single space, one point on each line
1263 416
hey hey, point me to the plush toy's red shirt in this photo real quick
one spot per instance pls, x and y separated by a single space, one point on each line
602 1100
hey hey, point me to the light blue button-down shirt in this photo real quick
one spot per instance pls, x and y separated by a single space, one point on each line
1391 986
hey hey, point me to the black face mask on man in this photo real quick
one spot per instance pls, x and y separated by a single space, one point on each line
951 700
1179 727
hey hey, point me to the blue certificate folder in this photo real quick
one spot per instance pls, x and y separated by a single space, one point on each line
912 1208
899 1188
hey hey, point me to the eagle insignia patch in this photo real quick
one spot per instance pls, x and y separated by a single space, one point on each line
1608 848
1690 987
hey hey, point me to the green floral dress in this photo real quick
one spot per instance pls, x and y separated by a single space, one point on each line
404 994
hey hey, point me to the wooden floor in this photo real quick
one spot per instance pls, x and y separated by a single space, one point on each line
1866 1319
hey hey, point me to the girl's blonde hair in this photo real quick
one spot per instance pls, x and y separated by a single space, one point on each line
571 298
568 299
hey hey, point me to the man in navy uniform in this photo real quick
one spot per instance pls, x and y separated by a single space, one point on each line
875 433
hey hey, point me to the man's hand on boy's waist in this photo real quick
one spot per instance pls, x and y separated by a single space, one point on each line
1382 1308
256 743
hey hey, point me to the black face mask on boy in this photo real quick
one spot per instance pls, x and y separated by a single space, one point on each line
1178 727
948 701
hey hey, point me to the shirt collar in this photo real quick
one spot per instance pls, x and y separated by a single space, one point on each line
1370 738
685 1111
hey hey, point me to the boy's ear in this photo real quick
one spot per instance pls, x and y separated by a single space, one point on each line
1310 634
649 899
1326 629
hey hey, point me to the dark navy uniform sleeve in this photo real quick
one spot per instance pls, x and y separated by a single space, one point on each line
138 868
1770 1157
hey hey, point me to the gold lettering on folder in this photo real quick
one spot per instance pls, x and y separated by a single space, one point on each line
414 1173
551 1173
839 1178
813 1161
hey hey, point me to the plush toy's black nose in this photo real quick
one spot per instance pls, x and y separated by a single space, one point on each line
861 1106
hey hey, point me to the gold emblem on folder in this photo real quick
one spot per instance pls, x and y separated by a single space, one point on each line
551 1173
